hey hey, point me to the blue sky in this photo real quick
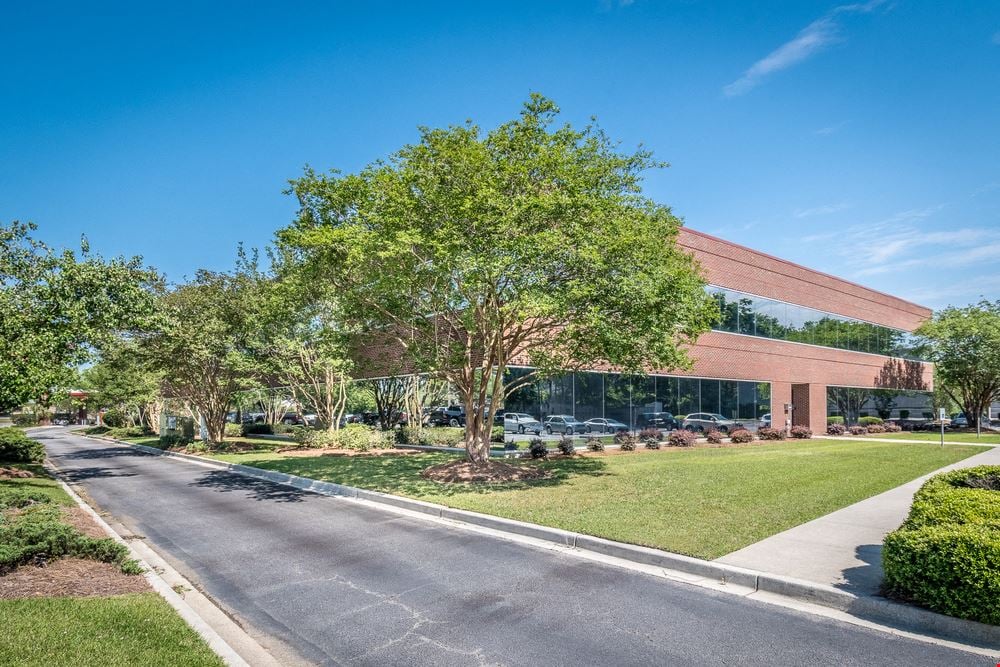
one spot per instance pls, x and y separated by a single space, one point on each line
859 139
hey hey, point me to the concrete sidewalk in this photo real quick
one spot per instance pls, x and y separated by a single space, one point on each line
843 548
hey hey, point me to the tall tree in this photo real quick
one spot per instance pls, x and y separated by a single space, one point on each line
123 379
964 344
208 347
58 308
531 242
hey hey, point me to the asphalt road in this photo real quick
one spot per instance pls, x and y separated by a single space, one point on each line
344 583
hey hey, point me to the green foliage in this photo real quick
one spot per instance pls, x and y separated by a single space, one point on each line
595 444
173 440
441 436
58 308
15 446
356 437
114 418
497 434
25 419
255 428
868 421
835 420
126 432
233 430
537 449
627 442
946 555
566 446
964 344
533 238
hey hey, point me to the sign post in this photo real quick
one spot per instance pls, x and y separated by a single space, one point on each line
941 419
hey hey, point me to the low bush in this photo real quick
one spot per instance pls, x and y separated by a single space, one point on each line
653 444
858 430
15 498
622 436
946 555
25 419
771 433
741 435
566 446
868 421
511 446
627 443
834 420
37 534
443 436
16 447
648 435
836 429
124 432
497 434
256 428
356 437
875 428
173 440
233 430
595 444
681 438
801 432
892 427
537 449
714 436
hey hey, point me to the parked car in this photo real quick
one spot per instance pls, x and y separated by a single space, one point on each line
453 415
765 421
520 422
567 424
598 425
298 419
661 420
706 421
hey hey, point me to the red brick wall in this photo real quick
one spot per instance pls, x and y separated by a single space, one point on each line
729 265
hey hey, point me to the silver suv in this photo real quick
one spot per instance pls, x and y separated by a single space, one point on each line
706 421
519 422
567 424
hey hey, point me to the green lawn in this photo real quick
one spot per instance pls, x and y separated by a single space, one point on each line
42 483
702 502
137 629
987 438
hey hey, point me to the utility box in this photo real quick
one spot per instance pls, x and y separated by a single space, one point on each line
177 425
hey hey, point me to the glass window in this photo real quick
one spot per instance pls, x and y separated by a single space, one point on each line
666 393
588 390
747 401
687 396
643 398
763 398
745 309
729 399
617 398
709 396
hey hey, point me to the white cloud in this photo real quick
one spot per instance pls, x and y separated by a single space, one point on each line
812 39
819 210
982 286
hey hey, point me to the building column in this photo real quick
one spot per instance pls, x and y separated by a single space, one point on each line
781 393
810 406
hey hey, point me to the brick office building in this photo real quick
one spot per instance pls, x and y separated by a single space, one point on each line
789 336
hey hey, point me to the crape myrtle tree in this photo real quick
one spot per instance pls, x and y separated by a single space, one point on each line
57 309
124 379
964 344
208 346
532 241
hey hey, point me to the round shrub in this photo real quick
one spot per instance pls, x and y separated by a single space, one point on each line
652 444
741 435
566 446
595 444
114 418
497 434
622 436
15 446
681 438
868 421
173 440
801 432
858 430
627 443
648 435
255 428
25 419
233 430
892 427
836 429
875 428
834 420
714 436
537 449
767 433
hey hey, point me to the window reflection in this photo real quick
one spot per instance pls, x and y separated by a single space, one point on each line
755 316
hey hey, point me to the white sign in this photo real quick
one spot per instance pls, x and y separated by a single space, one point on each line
941 413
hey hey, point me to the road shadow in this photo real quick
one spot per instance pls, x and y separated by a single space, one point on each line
864 579
103 453
82 474
255 489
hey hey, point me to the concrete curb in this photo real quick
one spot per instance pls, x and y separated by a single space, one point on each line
183 609
880 610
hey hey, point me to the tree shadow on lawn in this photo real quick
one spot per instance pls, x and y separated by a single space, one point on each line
401 474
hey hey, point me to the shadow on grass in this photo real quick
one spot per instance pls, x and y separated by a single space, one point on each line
401 474
255 489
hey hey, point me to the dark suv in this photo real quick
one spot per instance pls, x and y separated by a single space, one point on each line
660 420
453 415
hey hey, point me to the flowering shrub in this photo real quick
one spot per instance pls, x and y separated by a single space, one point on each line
801 432
770 433
836 429
891 427
648 435
858 430
741 435
622 436
876 428
681 438
714 436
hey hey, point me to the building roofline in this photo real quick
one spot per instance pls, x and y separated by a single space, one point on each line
804 268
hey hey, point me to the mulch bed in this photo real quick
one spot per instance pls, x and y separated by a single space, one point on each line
492 472
10 473
71 577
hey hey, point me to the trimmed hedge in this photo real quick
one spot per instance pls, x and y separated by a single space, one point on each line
946 555
801 432
771 433
15 446
868 421
681 438
836 429
741 435
714 436
834 420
